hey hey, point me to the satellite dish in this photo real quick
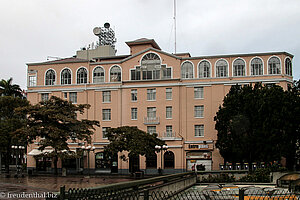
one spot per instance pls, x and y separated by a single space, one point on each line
97 31
106 25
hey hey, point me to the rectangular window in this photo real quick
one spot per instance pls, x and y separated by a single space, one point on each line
106 96
166 72
221 71
151 129
73 97
134 113
104 132
151 74
169 112
134 95
45 96
32 80
136 74
238 70
65 95
169 131
199 130
151 94
106 114
198 111
169 93
151 113
198 92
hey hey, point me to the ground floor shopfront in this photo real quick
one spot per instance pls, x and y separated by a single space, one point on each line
179 156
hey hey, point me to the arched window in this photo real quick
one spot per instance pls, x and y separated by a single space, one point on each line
256 66
151 161
151 66
221 68
169 159
150 59
50 77
239 67
98 75
115 74
288 66
204 69
81 76
65 77
187 70
274 66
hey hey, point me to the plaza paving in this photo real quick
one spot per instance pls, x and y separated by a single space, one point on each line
44 184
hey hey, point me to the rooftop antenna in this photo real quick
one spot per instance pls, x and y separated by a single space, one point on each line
175 24
106 35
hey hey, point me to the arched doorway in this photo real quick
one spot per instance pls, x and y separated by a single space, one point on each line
134 163
151 161
169 160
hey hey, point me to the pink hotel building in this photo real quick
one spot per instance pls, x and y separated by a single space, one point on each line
174 95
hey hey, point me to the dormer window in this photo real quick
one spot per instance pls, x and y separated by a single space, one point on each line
187 70
115 74
81 76
66 77
150 66
150 69
98 75
274 66
50 77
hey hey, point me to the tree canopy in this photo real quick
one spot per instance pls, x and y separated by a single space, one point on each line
54 122
258 123
9 89
132 140
10 121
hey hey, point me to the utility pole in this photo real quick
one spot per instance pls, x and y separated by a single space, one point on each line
175 24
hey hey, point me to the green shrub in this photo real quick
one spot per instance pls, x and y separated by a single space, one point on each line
261 175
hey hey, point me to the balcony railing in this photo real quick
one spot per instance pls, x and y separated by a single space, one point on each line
169 134
151 120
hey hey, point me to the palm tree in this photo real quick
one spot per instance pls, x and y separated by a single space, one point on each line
9 89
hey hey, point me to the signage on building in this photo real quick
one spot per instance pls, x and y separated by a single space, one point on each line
200 147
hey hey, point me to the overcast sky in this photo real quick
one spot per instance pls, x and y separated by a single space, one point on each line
31 30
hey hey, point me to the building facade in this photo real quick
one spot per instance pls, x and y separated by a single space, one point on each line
174 95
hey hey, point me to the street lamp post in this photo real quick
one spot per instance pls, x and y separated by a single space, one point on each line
18 153
78 160
161 148
88 149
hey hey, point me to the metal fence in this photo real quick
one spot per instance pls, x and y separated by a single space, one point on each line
139 189
239 194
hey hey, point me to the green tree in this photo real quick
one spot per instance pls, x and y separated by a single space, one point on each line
9 89
54 122
291 136
252 124
133 140
10 121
